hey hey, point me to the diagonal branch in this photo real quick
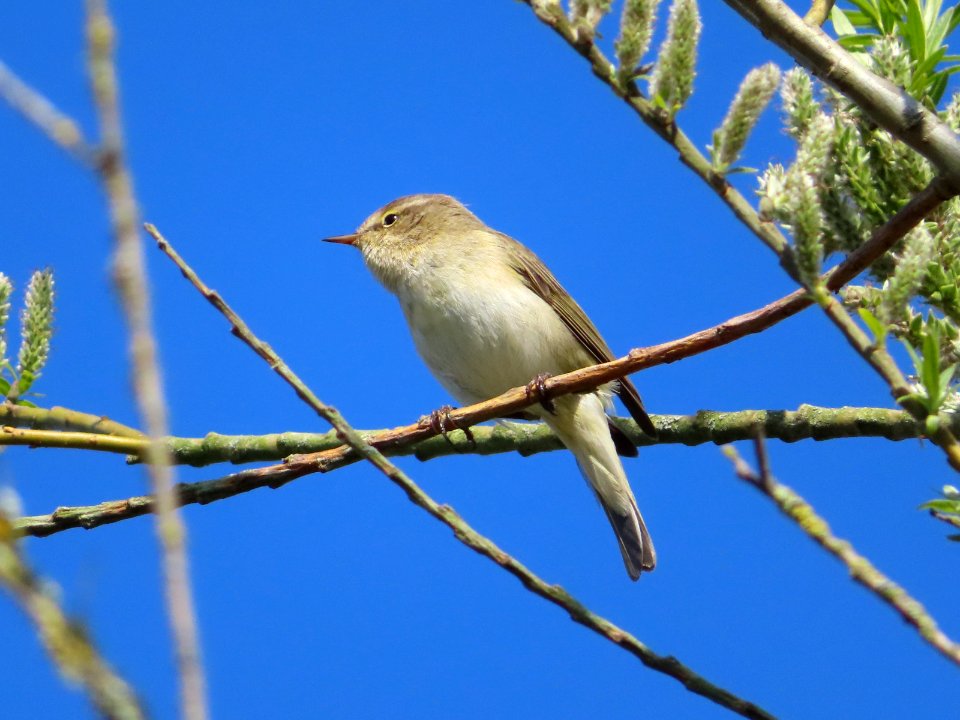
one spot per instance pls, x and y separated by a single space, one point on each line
277 475
888 106
445 514
130 279
861 569
62 129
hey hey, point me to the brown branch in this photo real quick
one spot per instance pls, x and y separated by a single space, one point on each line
861 569
130 279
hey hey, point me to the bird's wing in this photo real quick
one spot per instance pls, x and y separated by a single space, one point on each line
540 280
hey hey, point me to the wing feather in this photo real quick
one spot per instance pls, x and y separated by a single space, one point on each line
541 281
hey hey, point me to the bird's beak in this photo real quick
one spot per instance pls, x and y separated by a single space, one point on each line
343 239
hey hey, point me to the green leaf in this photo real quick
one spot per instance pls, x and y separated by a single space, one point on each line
929 63
915 32
931 9
951 507
946 376
930 371
869 9
856 42
841 24
917 363
878 329
954 15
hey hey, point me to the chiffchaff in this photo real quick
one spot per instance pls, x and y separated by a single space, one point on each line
486 316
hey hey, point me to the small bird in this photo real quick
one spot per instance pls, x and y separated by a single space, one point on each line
486 316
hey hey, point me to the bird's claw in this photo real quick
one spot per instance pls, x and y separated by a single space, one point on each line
442 424
537 390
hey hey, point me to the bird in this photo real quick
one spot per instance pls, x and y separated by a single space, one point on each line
487 315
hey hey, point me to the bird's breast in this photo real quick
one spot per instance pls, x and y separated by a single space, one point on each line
482 332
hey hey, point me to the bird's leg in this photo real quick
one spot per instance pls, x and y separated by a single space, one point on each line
537 390
442 424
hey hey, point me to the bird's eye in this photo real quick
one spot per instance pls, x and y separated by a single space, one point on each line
389 219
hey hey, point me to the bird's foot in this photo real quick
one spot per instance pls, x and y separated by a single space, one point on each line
442 424
537 390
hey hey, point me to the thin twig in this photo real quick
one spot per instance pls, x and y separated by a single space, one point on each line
75 440
60 418
861 569
131 283
819 12
68 645
463 532
275 476
60 128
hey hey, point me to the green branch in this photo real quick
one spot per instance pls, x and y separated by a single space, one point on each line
807 422
60 418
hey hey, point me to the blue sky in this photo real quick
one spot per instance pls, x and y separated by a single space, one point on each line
255 130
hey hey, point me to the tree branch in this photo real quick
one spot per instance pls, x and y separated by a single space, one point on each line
883 363
819 12
861 569
885 104
130 279
61 129
706 426
204 492
60 418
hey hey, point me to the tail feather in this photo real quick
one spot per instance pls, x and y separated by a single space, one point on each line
581 424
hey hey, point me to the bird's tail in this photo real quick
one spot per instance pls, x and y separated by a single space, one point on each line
581 424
